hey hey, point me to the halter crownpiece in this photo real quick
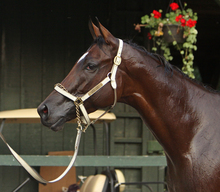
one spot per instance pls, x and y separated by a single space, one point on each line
117 62
78 101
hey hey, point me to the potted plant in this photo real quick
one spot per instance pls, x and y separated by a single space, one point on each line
177 28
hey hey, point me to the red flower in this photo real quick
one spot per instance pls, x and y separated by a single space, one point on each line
157 14
174 6
183 22
149 36
191 23
178 18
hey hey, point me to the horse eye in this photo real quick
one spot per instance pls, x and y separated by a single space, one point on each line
91 67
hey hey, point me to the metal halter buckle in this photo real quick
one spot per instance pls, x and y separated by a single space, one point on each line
117 60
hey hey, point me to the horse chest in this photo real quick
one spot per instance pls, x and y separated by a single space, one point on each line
194 176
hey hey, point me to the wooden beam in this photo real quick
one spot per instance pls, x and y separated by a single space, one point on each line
128 140
81 161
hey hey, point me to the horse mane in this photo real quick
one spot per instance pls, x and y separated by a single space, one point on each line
167 66
158 58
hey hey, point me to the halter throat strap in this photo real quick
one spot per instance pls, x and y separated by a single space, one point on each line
79 101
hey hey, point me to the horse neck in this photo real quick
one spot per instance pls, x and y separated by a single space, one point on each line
163 100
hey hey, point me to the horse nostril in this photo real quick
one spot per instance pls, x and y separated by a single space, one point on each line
45 109
43 112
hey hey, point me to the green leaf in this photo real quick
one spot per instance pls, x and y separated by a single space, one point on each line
158 43
190 63
167 50
186 45
172 14
184 62
174 42
195 17
167 15
193 30
170 58
184 12
192 76
191 46
154 49
145 19
190 56
189 10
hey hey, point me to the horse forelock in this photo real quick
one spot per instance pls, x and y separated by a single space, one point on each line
100 41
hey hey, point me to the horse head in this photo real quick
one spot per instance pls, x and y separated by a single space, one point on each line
92 67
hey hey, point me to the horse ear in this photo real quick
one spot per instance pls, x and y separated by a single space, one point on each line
94 30
109 38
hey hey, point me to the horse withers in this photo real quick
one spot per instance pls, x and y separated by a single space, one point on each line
182 114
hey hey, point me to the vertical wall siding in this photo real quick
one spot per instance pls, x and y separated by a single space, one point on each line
10 87
40 42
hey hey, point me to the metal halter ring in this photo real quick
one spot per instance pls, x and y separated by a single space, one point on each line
78 101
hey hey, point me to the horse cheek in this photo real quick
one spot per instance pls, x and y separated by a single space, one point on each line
104 98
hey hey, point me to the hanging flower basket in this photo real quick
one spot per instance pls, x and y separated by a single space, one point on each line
173 33
177 28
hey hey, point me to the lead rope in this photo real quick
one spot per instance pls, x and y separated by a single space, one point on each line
78 117
34 173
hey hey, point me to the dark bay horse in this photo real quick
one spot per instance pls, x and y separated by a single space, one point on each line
183 115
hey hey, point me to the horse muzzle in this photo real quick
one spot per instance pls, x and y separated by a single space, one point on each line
54 119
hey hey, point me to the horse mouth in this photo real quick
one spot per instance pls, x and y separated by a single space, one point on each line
58 125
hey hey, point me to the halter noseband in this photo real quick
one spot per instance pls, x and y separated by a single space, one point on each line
78 101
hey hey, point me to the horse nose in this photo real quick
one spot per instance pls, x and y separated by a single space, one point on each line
43 111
